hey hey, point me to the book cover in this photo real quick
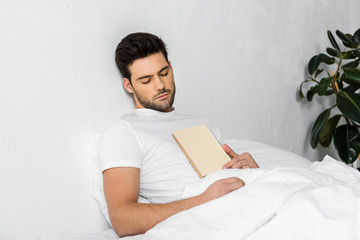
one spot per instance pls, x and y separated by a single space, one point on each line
202 149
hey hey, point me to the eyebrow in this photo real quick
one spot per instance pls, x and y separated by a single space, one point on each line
147 76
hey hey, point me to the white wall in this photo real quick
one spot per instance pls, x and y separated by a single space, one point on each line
238 62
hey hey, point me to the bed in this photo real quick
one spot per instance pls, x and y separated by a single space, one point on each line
288 197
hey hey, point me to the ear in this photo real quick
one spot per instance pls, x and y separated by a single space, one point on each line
127 85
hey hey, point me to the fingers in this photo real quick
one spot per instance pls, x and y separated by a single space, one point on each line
230 163
230 179
235 163
243 160
229 151
239 164
232 183
235 183
222 187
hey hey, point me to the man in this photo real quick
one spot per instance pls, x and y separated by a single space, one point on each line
138 155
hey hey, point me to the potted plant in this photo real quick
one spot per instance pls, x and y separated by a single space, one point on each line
337 75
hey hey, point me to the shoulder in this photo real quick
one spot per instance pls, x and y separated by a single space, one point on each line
119 146
117 125
121 124
118 131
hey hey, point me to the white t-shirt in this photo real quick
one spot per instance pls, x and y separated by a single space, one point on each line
143 139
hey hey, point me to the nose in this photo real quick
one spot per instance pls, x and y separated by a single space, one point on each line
159 84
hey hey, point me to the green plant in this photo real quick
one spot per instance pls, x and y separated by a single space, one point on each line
343 85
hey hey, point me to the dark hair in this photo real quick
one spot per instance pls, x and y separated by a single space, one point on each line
135 46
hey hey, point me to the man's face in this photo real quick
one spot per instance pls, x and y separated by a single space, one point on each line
153 84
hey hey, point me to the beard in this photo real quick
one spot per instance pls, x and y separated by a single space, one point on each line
158 106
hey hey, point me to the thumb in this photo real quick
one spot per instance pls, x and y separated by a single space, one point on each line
229 151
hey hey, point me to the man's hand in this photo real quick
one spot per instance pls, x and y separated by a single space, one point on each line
222 187
244 160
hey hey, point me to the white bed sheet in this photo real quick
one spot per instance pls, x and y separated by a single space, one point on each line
321 201
107 234
289 197
318 202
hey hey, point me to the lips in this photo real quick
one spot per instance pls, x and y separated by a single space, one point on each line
162 96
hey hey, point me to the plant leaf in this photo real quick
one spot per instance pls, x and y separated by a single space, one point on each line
345 39
348 55
357 53
312 91
347 142
350 45
328 132
356 36
352 64
318 71
333 52
351 88
324 85
301 94
314 64
349 104
352 73
326 59
352 82
340 84
332 40
318 127
354 50
329 92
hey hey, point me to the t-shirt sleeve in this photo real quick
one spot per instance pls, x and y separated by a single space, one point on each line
119 146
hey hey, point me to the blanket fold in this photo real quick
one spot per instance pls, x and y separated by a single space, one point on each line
318 202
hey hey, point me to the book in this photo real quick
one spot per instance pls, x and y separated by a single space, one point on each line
202 149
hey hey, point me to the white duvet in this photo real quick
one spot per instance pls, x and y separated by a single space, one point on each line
318 202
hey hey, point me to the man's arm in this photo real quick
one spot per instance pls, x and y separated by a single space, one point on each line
128 217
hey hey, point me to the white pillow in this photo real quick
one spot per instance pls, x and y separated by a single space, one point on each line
267 156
